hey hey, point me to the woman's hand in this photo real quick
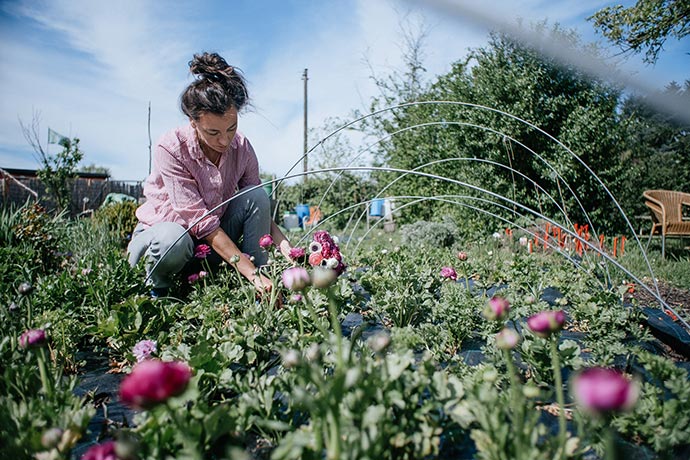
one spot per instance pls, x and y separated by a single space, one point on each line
262 284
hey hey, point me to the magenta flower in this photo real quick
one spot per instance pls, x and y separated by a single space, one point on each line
600 390
202 251
507 339
327 248
449 273
546 322
497 309
296 278
462 256
153 382
266 241
105 451
297 253
33 338
193 278
144 349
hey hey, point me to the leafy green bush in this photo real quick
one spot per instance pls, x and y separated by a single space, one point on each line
432 234
119 218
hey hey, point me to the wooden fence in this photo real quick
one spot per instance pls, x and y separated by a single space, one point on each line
88 191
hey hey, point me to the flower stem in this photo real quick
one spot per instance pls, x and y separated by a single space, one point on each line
609 444
46 382
558 382
517 402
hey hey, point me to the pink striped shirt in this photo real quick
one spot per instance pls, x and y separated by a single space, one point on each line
184 184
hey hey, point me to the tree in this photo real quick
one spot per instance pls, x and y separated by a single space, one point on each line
56 171
644 27
517 79
658 156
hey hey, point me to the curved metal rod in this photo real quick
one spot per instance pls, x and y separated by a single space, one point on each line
575 236
422 174
501 112
500 133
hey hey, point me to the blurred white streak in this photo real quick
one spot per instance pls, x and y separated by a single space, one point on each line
560 51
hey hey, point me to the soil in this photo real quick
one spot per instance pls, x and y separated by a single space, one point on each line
676 298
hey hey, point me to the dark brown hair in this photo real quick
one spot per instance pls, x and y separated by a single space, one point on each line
217 87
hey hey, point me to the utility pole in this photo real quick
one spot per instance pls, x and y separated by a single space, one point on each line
304 158
149 126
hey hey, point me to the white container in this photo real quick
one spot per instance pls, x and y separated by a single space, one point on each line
290 221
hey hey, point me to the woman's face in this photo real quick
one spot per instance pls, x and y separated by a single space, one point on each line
216 131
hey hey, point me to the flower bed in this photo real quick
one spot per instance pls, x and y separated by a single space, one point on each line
411 352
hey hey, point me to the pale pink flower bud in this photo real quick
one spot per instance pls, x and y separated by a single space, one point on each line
296 278
33 338
507 339
462 256
546 322
600 390
497 309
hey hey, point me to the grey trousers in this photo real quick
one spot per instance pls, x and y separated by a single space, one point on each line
167 246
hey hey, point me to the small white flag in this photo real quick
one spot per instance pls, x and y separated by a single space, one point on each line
57 138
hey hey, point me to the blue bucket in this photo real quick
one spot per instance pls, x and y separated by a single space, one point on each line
302 212
376 208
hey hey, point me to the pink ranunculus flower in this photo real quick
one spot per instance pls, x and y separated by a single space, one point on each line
33 338
144 349
546 322
497 309
152 382
296 278
449 273
266 241
507 339
193 278
602 390
297 253
202 251
462 256
104 451
203 274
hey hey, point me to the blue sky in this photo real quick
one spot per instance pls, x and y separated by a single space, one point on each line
89 68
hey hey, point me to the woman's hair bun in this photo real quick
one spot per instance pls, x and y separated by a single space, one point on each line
211 66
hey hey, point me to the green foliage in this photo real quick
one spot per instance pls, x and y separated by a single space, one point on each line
478 147
37 230
432 234
644 26
661 418
658 148
57 171
118 218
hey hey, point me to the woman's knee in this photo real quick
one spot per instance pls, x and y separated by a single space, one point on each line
171 245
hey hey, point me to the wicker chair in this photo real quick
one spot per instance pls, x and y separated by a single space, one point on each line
667 215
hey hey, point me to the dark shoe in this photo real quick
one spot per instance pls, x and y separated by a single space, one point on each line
159 292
